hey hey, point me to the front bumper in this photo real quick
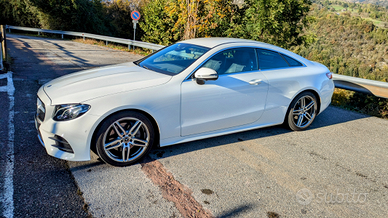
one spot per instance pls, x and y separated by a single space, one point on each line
74 134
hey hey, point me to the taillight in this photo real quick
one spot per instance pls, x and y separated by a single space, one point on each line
329 75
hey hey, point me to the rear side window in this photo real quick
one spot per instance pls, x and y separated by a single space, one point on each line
270 60
292 62
233 60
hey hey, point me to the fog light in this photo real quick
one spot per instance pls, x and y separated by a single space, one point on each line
61 144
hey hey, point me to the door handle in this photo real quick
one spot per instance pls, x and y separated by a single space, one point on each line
255 81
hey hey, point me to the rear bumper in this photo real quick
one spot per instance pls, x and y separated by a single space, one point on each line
326 94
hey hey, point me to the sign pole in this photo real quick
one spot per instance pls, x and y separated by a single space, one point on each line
135 15
134 31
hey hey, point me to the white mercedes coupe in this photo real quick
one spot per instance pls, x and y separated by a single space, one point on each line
191 90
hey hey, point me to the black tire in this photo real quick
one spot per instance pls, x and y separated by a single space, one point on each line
125 138
302 111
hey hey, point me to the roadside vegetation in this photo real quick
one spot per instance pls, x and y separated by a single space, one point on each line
361 103
347 41
279 22
349 38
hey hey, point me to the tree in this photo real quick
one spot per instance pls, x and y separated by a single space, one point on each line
200 18
279 22
185 14
76 15
156 23
19 12
118 13
185 19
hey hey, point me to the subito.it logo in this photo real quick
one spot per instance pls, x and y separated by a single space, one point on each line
304 196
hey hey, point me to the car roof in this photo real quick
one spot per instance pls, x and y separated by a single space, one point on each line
216 41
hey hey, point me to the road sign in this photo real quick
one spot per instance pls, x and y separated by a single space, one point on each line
135 15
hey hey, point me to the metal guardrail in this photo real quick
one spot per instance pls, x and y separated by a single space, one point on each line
372 87
107 39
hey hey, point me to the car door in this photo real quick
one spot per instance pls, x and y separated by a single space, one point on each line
236 98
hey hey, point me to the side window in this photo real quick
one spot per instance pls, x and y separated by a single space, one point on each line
292 62
233 61
270 60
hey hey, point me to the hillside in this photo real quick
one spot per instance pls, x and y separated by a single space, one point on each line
376 2
346 42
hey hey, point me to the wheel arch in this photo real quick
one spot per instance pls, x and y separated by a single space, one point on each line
151 118
317 96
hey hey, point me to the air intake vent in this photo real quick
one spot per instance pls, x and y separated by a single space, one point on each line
61 144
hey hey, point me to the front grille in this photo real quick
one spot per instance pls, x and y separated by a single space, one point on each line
40 110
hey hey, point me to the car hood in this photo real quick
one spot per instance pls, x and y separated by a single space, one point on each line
89 84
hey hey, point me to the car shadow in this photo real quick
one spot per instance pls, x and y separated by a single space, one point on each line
331 116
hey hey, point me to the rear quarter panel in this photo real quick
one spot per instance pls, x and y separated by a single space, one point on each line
285 84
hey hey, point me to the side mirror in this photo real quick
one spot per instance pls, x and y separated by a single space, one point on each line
204 74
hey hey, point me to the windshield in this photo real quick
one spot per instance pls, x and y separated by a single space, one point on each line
173 59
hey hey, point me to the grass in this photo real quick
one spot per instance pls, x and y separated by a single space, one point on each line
354 12
337 7
375 22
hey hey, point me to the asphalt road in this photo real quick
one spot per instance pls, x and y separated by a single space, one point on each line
337 168
43 186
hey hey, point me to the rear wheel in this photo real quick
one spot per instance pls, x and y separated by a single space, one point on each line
125 138
302 111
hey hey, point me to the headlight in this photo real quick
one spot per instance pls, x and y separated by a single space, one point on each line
69 111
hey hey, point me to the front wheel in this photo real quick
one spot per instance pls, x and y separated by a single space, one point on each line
302 111
125 138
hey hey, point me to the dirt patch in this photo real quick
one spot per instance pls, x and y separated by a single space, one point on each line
207 191
172 190
272 215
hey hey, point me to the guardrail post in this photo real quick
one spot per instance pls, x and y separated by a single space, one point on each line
38 33
83 36
106 43
129 47
3 45
62 36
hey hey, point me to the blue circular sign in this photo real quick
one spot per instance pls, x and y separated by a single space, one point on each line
135 15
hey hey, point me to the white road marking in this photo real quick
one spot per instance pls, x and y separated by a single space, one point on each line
7 197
